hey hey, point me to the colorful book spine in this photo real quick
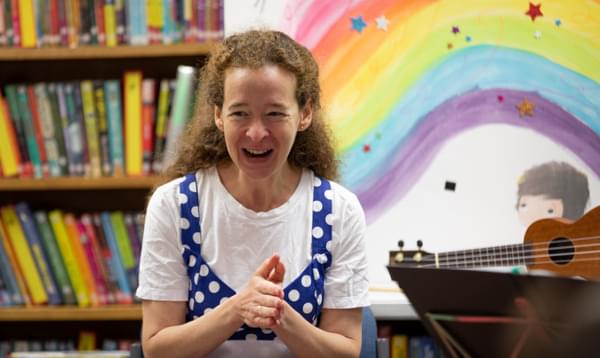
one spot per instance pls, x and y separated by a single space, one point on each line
16 22
136 16
162 115
155 20
63 25
91 127
92 261
52 89
39 254
112 90
63 118
47 129
148 112
100 105
23 254
12 259
133 122
180 111
7 272
116 263
125 250
87 221
54 257
37 128
80 118
107 257
121 22
98 14
75 132
15 115
82 262
69 257
32 147
110 23
27 22
9 151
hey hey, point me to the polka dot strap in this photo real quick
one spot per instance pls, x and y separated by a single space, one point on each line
322 219
189 221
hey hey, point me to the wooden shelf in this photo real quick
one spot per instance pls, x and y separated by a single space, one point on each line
98 52
72 313
76 183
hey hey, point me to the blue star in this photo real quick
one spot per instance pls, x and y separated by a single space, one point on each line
358 23
468 38
557 22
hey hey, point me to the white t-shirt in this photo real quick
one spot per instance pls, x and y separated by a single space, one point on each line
236 240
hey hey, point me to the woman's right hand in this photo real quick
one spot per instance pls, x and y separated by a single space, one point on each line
261 301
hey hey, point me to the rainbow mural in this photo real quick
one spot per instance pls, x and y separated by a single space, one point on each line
400 78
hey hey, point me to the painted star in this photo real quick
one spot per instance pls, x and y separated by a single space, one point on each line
382 23
557 22
534 11
455 30
358 23
366 148
500 98
468 38
525 108
537 34
449 45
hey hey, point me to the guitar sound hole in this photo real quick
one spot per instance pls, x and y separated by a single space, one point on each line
561 251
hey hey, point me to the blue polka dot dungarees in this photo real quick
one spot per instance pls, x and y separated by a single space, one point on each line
206 290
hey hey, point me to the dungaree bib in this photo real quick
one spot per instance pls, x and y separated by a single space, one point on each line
206 290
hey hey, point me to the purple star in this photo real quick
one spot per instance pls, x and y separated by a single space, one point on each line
455 30
358 23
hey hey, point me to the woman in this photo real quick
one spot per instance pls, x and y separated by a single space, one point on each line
249 249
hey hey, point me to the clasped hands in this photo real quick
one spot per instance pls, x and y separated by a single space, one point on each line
261 302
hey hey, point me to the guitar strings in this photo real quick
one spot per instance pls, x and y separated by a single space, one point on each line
532 250
490 265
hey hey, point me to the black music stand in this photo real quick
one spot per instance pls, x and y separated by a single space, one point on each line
491 314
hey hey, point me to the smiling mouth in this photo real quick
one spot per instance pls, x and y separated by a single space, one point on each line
257 153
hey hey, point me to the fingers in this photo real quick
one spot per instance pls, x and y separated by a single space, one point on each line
267 266
276 275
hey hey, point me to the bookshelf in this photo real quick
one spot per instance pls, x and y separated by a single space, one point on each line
83 194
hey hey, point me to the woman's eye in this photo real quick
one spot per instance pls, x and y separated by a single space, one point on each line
276 115
238 114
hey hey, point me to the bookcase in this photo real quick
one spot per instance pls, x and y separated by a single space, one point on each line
83 194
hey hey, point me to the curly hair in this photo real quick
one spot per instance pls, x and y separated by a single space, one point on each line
203 145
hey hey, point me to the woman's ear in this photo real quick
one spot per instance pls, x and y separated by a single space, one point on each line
218 118
306 116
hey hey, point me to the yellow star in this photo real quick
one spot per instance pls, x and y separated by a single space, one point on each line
525 108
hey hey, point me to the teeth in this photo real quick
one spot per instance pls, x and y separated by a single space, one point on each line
257 152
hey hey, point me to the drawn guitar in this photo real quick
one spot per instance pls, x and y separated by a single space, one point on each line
558 245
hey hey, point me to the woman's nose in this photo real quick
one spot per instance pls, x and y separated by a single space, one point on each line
257 130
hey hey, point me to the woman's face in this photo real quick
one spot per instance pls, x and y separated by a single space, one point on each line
260 118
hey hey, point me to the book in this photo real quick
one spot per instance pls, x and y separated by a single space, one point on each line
180 111
107 256
12 259
115 261
124 247
15 114
54 257
100 103
27 23
91 127
162 115
132 82
59 131
90 255
7 272
70 260
110 290
47 128
75 131
29 131
23 254
148 112
9 152
40 256
37 128
82 262
112 90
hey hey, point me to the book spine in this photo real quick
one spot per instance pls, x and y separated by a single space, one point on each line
80 118
96 276
75 132
133 122
37 128
9 152
69 258
58 127
100 106
16 23
7 272
107 256
18 274
91 127
87 221
54 257
27 22
125 249
155 20
24 256
100 21
63 23
148 112
110 23
116 263
64 125
40 256
121 22
112 89
82 263
32 147
47 129
15 115
180 111
161 125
